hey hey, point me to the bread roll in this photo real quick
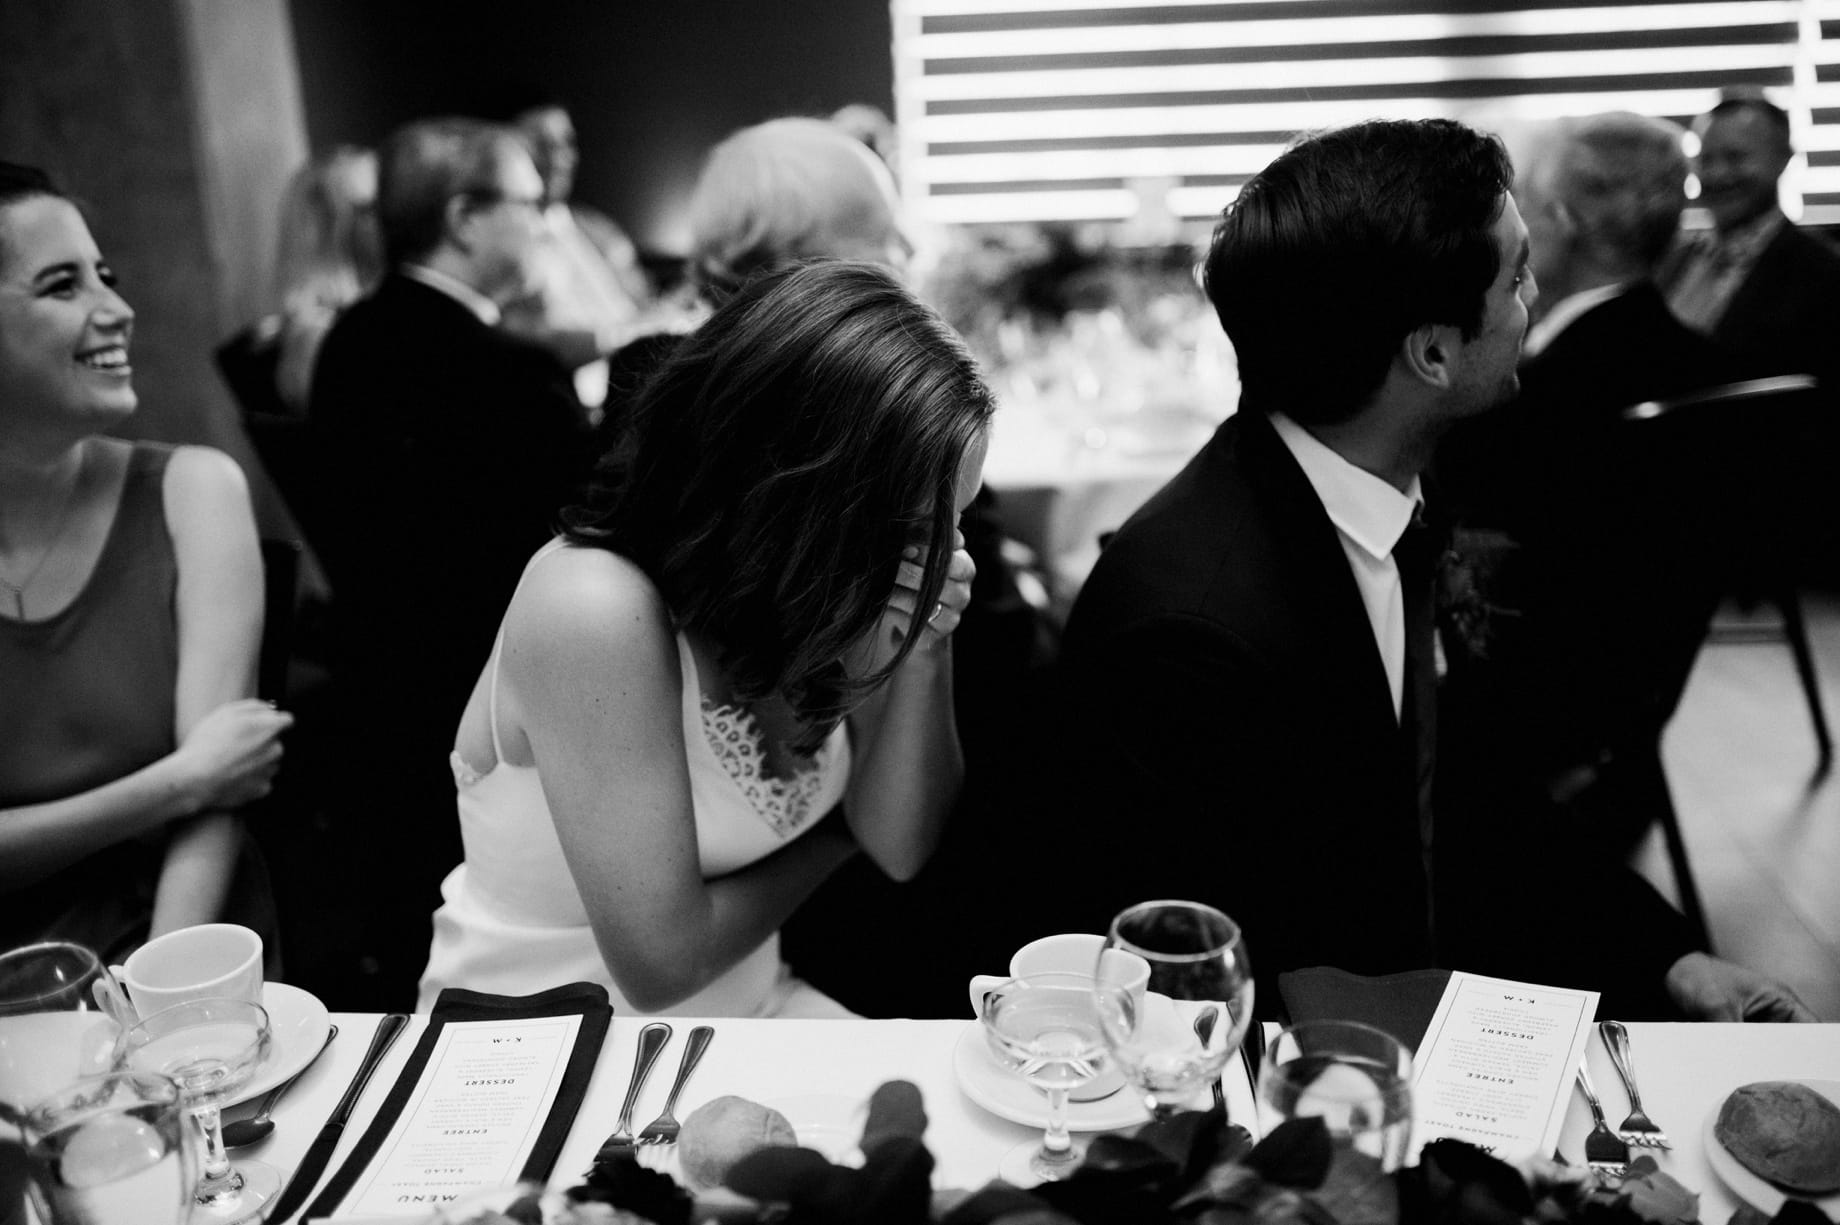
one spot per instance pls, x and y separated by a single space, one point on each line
1784 1133
723 1131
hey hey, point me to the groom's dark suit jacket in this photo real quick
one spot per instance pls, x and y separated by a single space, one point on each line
1229 736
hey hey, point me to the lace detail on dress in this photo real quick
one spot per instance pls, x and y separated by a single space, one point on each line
464 774
784 804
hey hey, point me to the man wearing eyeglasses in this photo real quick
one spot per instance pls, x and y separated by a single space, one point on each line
444 447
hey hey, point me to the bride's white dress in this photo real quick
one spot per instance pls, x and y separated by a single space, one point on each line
511 920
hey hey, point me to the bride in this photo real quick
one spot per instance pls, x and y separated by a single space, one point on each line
732 670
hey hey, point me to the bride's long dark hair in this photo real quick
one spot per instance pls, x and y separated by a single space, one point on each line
770 473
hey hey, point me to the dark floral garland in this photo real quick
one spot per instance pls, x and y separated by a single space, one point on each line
1193 1169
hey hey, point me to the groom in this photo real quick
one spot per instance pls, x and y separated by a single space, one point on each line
1252 667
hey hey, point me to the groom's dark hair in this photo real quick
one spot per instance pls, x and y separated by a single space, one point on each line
1342 246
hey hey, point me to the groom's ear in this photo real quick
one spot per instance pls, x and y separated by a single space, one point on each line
1427 354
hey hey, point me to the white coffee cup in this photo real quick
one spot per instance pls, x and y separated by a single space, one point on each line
1072 953
194 963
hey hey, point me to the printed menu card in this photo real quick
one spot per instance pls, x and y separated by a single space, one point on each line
1496 1064
485 1100
474 1116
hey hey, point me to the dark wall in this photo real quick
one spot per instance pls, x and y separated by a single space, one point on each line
176 121
651 85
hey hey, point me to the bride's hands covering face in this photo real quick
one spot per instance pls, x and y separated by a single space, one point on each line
948 610
902 614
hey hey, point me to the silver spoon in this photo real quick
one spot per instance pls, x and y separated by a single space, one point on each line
256 1128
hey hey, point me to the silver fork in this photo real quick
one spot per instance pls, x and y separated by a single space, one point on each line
1604 1151
651 1041
664 1128
1638 1128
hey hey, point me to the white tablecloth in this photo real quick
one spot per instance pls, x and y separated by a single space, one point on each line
1685 1072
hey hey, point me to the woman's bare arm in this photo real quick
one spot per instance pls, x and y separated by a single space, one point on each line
219 612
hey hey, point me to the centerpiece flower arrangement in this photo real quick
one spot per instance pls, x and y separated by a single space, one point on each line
1192 1168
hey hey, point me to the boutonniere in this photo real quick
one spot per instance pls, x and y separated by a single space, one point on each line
1474 574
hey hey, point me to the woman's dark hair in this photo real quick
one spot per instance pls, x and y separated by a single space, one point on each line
771 472
19 183
1342 246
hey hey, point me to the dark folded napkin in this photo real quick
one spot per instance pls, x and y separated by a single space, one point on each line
1399 1004
457 1005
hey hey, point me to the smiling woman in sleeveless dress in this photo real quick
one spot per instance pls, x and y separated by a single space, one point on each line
732 671
130 612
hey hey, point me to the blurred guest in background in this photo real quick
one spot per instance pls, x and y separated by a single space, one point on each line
872 126
1755 282
791 189
130 617
443 447
745 624
589 295
330 255
1250 699
1610 554
770 195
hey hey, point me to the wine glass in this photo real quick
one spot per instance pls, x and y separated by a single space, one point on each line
1045 1027
1196 954
210 1048
1355 1078
111 1148
59 1010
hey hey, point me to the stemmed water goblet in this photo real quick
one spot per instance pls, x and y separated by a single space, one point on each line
210 1048
59 1016
1045 1027
1196 954
111 1148
60 1012
1355 1078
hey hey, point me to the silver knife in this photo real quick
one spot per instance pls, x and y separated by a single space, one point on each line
307 1173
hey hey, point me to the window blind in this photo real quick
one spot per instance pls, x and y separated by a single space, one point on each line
1071 110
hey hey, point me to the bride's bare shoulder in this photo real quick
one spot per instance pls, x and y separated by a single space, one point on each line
583 593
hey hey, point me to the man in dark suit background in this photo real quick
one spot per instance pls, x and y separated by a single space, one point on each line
444 448
1768 291
1619 552
1755 282
1250 669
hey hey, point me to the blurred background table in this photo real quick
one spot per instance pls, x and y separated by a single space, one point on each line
1092 419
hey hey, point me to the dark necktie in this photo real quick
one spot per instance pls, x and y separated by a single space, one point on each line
1417 556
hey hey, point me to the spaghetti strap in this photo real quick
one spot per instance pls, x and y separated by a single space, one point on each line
498 647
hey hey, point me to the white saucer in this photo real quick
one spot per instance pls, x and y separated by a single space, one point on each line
1008 1096
298 1024
1762 1195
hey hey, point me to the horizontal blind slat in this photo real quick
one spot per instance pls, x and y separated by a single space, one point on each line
1043 110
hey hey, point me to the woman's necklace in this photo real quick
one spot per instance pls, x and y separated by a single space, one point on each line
18 589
